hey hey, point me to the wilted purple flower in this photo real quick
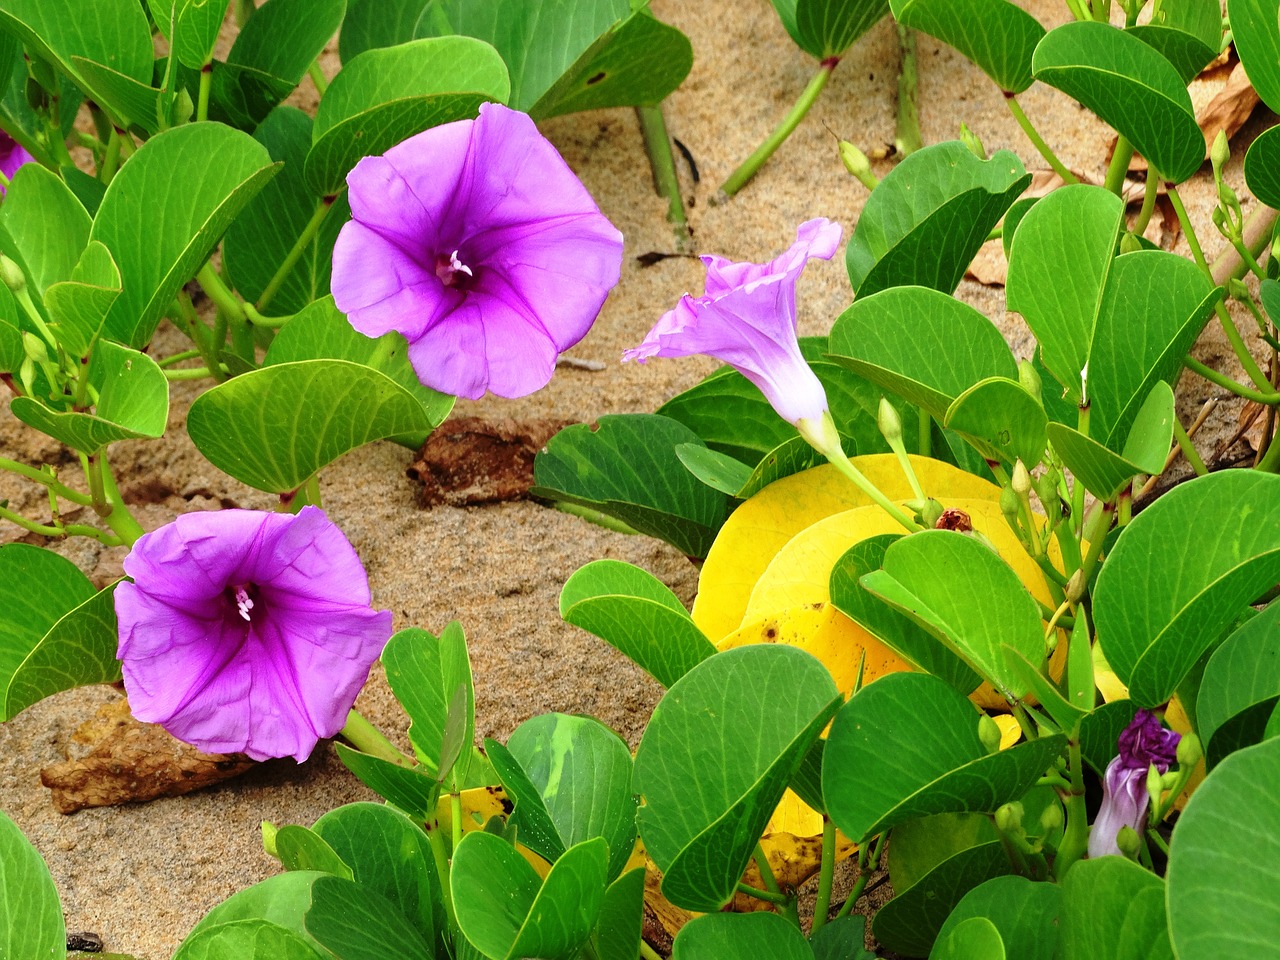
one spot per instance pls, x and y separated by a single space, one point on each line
747 319
12 156
476 241
1124 786
246 631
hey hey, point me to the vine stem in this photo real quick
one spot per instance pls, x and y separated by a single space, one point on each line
39 476
739 178
1076 836
1222 380
1119 166
826 875
323 206
61 531
1037 141
657 144
908 139
1189 449
367 738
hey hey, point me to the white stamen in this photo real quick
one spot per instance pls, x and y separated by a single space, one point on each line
459 265
243 602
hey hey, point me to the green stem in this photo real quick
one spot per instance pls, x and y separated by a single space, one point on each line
317 77
39 476
1246 256
739 178
826 875
202 97
1037 141
1270 461
1120 166
1188 448
907 139
60 531
647 952
925 424
367 738
1148 202
177 358
119 519
111 161
1257 234
196 373
1076 836
657 144
766 872
862 483
768 896
189 322
258 320
323 206
1227 383
443 854
219 293
455 818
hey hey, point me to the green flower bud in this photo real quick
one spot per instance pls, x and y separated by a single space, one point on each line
1237 288
889 422
856 162
1010 506
34 348
1155 787
1021 481
930 514
1097 522
1129 243
1052 819
1219 153
183 109
11 274
1129 842
1029 378
989 733
1047 490
1009 818
1076 586
1190 752
269 831
970 140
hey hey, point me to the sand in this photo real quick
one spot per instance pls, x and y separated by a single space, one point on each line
142 875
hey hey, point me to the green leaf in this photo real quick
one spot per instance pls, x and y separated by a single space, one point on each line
869 789
425 674
133 402
1100 733
627 468
719 471
411 789
1262 167
1114 908
249 939
1256 34
321 332
634 612
43 227
78 650
621 922
282 900
274 428
1001 420
505 910
739 725
582 773
31 925
909 923
900 633
892 339
196 30
302 849
842 939
1024 913
964 594
384 96
1223 531
1130 86
918 846
136 106
284 37
974 939
78 307
740 936
926 220
241 96
370 24
353 922
1242 674
827 28
1188 54
996 35
1225 858
159 229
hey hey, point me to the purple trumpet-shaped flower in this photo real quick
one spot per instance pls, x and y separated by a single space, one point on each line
747 319
1143 742
476 241
246 631
12 156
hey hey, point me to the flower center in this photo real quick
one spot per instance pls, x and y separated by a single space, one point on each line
242 595
452 271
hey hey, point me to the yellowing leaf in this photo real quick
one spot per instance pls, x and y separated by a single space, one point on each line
759 528
1010 731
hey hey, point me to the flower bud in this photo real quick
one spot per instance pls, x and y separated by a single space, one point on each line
1097 522
183 109
1219 153
269 831
889 422
1009 505
1155 787
1029 378
34 348
1129 842
1129 243
1190 752
1052 819
930 513
1076 586
1237 288
856 162
970 140
1009 818
1021 481
989 733
11 274
1047 491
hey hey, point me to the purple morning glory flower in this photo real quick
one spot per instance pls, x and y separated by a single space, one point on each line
245 631
747 319
1124 786
476 241
12 156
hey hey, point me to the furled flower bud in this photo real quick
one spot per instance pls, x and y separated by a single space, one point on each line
1219 153
1189 751
970 140
1128 843
11 274
1009 818
1009 505
889 422
1021 480
989 733
1029 377
856 162
1144 745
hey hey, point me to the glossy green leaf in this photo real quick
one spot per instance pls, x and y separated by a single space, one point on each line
618 931
892 339
248 939
1225 860
136 106
1114 908
1188 54
925 221
1262 167
133 402
321 332
240 96
181 218
719 471
507 912
411 789
1256 34
869 789
284 37
78 307
384 96
78 650
900 633
909 923
1242 674
1100 732
300 848
43 227
370 24
827 28
1130 86
963 593
391 856
842 939
195 30
274 428
352 921
582 773
974 939
425 674
1104 473
1224 533
739 725
264 234
638 615
740 936
12 352
31 925
918 846
1024 913
996 35
1001 420
1066 714
626 468
282 900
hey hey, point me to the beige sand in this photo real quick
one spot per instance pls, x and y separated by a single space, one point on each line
142 875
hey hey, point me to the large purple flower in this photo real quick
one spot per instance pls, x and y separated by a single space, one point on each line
747 319
246 631
1124 786
476 241
12 156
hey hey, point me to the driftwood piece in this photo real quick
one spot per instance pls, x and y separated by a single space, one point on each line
470 461
131 761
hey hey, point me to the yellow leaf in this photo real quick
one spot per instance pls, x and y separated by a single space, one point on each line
1010 731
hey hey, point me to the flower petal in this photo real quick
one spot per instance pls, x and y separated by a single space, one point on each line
398 295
